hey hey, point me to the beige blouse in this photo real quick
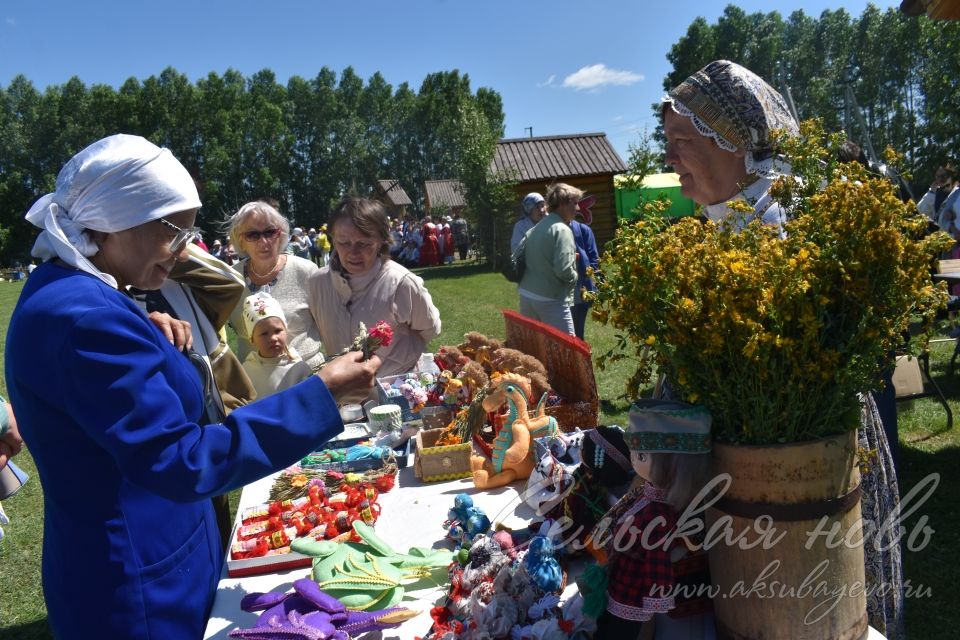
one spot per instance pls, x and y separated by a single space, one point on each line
387 292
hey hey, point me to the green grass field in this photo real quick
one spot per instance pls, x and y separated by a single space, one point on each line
470 299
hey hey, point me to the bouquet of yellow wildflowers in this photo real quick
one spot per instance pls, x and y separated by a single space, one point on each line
776 336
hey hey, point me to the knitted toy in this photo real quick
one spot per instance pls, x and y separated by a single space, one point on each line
464 521
512 458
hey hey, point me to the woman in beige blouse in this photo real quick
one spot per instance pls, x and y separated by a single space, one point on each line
362 284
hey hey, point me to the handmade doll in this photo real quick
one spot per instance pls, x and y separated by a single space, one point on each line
465 522
604 463
669 444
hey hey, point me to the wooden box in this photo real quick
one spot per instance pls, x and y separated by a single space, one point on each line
437 463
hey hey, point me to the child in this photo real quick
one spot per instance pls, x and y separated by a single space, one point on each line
272 365
668 444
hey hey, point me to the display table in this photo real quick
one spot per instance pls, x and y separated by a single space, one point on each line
413 515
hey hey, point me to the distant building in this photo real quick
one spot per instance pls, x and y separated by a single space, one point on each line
392 195
587 161
445 195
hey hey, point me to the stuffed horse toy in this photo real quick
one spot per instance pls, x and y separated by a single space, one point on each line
512 456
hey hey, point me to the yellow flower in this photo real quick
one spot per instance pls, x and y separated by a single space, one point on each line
752 324
298 481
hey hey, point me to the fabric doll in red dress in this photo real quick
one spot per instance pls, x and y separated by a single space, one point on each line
669 445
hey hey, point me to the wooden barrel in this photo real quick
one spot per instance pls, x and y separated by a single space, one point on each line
803 586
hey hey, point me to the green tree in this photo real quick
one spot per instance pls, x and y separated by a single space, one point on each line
306 143
219 115
490 197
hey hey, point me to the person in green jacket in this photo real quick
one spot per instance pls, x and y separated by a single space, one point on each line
547 287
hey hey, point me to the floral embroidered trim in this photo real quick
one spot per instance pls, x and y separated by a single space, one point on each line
669 442
651 606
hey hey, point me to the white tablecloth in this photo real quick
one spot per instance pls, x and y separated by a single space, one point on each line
412 515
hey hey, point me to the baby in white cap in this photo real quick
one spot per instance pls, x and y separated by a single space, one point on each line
272 365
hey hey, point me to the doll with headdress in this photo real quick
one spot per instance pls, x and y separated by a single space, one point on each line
603 463
669 446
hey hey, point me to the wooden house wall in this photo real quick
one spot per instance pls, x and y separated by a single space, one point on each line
600 186
394 211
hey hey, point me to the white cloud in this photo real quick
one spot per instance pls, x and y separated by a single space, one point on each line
549 81
617 118
598 75
11 22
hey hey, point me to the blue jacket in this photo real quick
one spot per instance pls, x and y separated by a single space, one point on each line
587 254
109 410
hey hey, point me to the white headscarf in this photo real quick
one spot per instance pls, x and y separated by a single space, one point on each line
116 183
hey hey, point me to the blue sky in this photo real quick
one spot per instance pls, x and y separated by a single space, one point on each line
561 66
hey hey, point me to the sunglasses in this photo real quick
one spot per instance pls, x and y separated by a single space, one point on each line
266 234
183 236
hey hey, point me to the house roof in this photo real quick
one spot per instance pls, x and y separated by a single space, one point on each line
543 157
446 192
941 9
394 192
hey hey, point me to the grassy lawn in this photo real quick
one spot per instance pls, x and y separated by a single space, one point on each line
470 299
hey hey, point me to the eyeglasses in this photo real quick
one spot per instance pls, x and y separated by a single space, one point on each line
266 234
358 245
183 235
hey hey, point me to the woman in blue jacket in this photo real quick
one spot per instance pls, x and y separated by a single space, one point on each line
112 411
587 257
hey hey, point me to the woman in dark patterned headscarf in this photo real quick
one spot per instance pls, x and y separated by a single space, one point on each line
718 124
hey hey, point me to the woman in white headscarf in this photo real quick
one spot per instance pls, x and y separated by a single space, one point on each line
103 397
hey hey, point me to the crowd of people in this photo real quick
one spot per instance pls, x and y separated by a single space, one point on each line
430 242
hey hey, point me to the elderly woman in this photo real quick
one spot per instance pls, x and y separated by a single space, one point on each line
547 287
102 396
260 233
718 125
362 284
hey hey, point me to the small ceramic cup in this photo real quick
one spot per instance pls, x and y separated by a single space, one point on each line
386 417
